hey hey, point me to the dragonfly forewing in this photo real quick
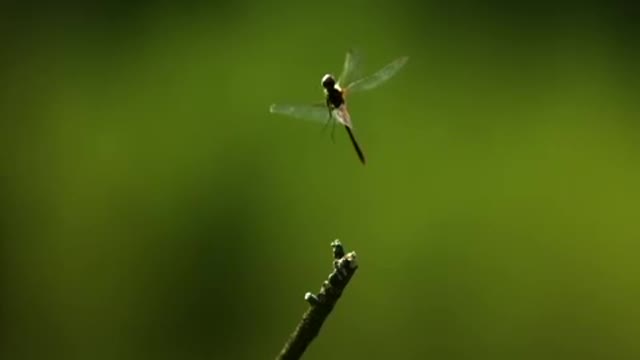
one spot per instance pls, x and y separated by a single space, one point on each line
314 112
379 77
350 69
317 113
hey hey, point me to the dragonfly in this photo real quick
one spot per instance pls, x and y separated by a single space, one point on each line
334 109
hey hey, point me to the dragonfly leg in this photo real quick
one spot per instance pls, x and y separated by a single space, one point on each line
329 109
333 131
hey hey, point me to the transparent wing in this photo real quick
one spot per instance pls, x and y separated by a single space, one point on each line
315 112
351 67
379 77
342 115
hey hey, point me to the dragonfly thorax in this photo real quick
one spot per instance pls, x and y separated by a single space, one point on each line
334 97
333 92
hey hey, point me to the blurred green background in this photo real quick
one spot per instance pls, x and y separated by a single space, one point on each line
151 207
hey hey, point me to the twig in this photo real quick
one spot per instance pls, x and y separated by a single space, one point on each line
321 305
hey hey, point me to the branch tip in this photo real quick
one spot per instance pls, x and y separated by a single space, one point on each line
321 305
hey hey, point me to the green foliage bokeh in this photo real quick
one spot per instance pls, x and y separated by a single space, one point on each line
153 208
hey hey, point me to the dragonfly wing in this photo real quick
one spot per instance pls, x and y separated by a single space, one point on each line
352 62
377 78
342 115
315 112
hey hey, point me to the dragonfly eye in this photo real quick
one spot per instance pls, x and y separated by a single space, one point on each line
328 82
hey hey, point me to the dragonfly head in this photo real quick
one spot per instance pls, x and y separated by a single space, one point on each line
328 82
